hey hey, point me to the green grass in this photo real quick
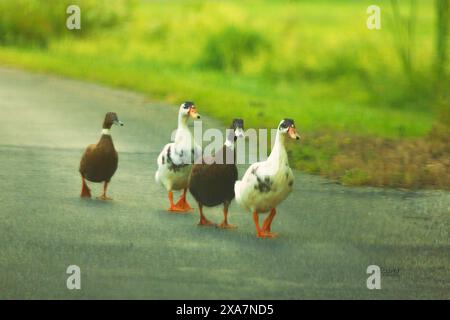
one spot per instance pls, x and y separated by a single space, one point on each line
315 62
225 97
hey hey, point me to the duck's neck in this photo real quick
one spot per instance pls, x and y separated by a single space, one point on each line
183 134
228 150
182 122
105 138
229 143
279 154
106 132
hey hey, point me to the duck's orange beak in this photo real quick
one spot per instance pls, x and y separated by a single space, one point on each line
293 133
193 113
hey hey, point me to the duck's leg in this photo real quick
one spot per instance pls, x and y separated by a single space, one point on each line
203 221
174 207
260 233
182 203
104 196
268 223
225 224
85 191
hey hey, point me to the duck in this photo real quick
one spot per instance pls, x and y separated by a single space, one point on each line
267 183
211 182
99 161
176 159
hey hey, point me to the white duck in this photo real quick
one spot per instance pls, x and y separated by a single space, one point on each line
176 159
265 184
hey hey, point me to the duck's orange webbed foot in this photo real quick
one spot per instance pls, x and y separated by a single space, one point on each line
205 222
266 234
85 191
175 208
104 197
226 225
265 231
182 204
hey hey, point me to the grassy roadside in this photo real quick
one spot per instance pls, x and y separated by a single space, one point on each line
363 122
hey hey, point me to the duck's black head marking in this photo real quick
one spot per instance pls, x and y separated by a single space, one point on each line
236 130
287 123
237 123
187 104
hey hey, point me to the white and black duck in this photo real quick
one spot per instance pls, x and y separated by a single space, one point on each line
176 159
266 184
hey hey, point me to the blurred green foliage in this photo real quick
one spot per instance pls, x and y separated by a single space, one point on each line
36 22
228 49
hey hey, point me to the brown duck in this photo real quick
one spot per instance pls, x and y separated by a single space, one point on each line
212 182
99 161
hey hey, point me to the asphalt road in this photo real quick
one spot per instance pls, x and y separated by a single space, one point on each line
132 248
